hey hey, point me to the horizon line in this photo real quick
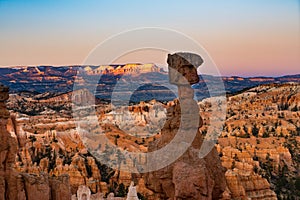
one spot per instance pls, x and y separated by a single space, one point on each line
78 65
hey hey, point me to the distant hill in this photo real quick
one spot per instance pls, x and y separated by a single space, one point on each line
58 80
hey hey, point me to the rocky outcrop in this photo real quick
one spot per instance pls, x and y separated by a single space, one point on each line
259 146
84 193
80 168
23 186
60 187
132 194
8 149
141 120
37 187
174 181
260 141
245 184
189 177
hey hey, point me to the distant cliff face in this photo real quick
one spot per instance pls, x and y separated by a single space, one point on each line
58 80
122 69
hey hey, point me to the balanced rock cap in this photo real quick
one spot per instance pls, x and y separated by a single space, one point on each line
177 60
183 68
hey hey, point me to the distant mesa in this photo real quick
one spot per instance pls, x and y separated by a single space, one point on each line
131 68
61 79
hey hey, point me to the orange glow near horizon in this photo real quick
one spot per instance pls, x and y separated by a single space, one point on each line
242 37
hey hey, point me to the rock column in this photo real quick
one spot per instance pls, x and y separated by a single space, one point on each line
183 73
189 177
22 186
8 149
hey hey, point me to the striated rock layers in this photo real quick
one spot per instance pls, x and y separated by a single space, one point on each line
248 185
23 186
189 177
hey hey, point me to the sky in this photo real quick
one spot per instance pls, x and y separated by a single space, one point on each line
242 37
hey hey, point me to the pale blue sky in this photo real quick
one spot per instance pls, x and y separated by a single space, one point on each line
243 37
